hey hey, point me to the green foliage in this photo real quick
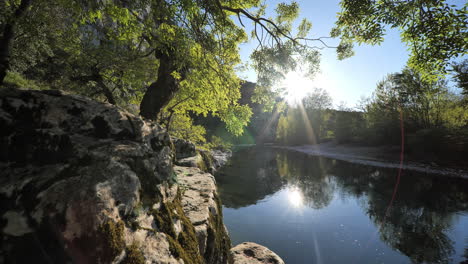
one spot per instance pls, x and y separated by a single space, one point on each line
460 71
182 127
217 143
427 110
434 31
260 129
347 126
113 51
307 122
16 80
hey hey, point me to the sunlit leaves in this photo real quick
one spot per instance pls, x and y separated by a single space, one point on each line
286 13
304 28
345 50
182 127
434 31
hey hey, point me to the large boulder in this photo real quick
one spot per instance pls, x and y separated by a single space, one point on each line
87 182
252 253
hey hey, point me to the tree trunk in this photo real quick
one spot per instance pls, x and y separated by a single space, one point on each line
160 92
8 35
105 90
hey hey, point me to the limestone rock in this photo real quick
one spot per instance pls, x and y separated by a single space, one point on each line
81 182
220 158
201 204
252 253
194 161
183 148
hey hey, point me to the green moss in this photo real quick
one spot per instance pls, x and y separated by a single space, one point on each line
185 245
113 236
188 238
217 232
201 165
164 217
207 161
134 255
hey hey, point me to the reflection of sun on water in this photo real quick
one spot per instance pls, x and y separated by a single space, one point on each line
295 197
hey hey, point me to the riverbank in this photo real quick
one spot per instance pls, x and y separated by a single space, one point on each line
386 157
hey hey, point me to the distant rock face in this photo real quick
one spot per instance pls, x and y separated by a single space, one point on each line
251 253
87 182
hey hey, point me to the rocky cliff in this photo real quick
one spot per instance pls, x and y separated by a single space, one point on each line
87 182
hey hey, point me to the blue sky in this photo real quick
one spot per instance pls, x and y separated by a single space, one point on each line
348 80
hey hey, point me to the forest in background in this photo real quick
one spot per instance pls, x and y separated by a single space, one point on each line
431 118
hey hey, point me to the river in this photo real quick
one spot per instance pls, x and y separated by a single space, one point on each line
311 209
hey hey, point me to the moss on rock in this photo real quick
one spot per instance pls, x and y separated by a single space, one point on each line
217 233
164 217
133 256
113 236
185 244
207 161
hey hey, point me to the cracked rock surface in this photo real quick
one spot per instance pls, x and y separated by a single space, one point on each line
88 182
252 253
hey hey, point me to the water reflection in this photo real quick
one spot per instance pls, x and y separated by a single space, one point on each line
295 197
425 210
248 177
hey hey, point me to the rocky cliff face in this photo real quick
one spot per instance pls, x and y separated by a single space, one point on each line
86 182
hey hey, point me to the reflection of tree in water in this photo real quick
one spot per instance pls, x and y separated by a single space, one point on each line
421 214
250 175
417 224
465 256
309 175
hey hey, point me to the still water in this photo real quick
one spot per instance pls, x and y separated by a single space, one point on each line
316 210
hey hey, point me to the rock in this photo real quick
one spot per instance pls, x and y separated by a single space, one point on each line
252 253
183 148
220 158
202 206
87 182
194 161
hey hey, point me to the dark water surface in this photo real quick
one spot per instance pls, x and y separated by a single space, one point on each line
318 210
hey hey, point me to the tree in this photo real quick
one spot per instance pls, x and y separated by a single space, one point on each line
10 16
434 31
460 71
187 51
421 102
304 123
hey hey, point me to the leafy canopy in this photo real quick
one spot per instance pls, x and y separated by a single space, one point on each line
434 31
120 50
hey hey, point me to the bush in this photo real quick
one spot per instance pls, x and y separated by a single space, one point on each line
217 143
16 80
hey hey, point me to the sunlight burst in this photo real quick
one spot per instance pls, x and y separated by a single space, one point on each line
297 87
